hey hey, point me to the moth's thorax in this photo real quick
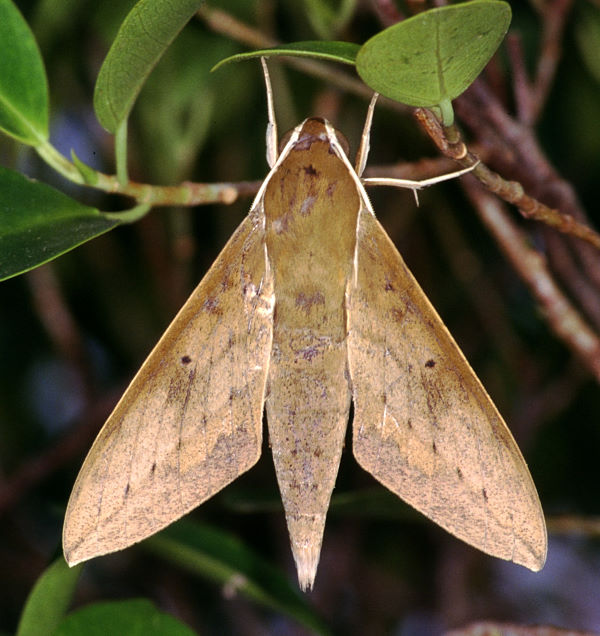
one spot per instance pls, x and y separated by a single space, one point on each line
314 129
311 205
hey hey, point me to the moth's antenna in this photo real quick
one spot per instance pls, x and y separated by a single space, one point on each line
365 140
272 125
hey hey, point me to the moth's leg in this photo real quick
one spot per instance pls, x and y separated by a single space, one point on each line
272 125
365 140
416 185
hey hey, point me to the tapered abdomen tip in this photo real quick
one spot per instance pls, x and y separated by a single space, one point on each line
306 536
307 559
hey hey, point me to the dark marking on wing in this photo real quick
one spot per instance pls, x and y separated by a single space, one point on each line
398 314
211 305
308 353
306 302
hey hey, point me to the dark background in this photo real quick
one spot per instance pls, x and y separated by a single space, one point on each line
74 332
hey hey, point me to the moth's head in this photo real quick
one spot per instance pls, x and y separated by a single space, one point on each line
314 129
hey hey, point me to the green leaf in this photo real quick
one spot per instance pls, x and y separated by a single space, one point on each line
344 52
587 34
39 223
223 558
183 103
367 503
144 36
89 175
49 599
23 83
137 617
434 56
328 17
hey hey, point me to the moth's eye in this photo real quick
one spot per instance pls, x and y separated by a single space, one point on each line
285 139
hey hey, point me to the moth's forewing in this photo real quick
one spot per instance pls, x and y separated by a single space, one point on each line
191 420
311 206
423 424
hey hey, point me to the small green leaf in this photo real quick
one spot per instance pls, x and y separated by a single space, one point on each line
39 223
587 34
344 52
223 558
144 36
23 84
89 175
328 17
434 56
49 599
137 617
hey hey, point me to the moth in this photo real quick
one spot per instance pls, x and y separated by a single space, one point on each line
308 308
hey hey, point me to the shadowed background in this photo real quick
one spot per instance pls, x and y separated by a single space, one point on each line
74 332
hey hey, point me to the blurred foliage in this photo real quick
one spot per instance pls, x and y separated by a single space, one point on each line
74 332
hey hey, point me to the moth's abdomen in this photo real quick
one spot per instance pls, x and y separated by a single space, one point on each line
311 206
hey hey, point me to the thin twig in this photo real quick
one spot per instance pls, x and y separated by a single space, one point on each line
512 629
565 262
55 315
567 524
510 191
185 194
225 24
35 470
554 18
387 12
562 316
531 96
514 150
521 84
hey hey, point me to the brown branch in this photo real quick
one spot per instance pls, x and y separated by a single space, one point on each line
514 150
566 524
221 22
185 194
61 327
522 90
224 23
554 18
565 262
548 401
531 96
563 317
54 314
448 140
387 12
74 443
512 629
530 208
